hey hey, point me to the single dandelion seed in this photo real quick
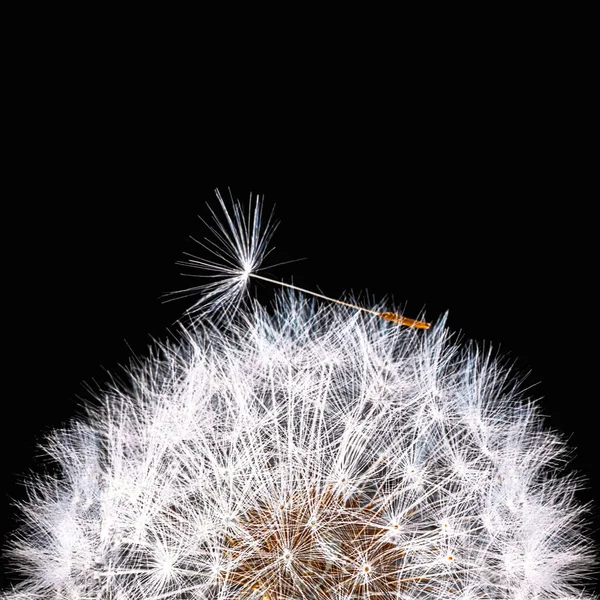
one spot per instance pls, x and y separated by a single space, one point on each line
240 246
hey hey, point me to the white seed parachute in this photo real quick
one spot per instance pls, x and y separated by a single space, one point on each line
315 452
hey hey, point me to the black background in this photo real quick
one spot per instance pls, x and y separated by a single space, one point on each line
465 188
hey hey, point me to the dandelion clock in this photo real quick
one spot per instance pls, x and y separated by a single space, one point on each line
311 448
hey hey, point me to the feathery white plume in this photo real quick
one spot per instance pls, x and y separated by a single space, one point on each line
320 453
240 244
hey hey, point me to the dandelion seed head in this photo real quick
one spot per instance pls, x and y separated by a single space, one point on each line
311 452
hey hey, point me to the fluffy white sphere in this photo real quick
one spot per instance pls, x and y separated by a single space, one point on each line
317 453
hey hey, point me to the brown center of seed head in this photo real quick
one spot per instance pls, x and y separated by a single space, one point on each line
323 544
